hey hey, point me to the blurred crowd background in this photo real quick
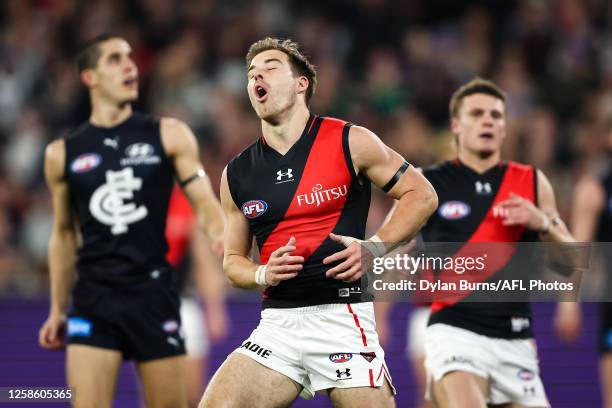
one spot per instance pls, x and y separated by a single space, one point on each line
389 65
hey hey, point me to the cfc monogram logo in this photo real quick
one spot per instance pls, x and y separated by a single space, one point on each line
107 203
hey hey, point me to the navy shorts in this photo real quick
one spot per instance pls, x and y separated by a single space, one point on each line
142 325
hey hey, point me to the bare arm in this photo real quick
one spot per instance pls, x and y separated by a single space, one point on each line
589 201
210 283
416 200
182 147
416 197
238 266
62 246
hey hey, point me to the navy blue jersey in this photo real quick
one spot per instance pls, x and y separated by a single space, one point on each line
119 181
307 193
468 212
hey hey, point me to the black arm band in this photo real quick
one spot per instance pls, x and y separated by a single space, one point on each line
197 175
398 174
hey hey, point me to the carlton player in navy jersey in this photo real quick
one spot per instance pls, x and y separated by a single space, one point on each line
111 180
302 190
592 221
477 353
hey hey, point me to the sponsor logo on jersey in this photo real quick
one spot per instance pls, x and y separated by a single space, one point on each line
284 175
254 208
526 375
519 324
109 203
170 326
257 349
85 162
483 188
320 195
140 153
454 210
77 326
340 357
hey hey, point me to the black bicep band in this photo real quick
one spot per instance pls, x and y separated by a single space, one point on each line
198 174
398 174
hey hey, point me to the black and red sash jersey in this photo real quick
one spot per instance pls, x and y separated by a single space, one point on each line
307 193
468 212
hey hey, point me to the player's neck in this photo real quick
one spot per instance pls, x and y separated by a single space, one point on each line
283 134
479 163
109 115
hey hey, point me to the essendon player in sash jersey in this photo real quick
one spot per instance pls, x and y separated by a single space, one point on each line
303 191
110 180
476 353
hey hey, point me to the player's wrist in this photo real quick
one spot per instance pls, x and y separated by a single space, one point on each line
545 226
376 246
260 275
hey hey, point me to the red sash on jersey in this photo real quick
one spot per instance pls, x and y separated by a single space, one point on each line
325 168
518 179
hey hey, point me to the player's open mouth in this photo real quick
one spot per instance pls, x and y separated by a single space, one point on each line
131 82
261 93
486 135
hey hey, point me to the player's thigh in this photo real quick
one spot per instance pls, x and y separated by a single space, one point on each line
164 382
243 382
196 378
92 373
363 397
459 389
605 368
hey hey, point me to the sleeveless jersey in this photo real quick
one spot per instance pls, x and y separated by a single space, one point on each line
468 212
307 193
119 181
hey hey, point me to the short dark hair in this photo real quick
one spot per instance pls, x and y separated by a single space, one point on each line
475 86
88 56
299 62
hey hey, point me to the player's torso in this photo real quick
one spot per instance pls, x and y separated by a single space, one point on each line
307 193
469 211
120 181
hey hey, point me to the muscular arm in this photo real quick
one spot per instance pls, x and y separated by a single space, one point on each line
182 147
63 241
547 204
62 248
416 198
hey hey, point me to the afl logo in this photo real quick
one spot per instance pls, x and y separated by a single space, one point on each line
85 162
254 208
454 210
526 375
340 357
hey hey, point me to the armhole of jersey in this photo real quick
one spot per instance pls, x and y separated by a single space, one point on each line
535 186
347 154
229 184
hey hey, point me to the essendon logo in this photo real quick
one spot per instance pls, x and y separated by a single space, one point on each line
85 162
254 208
454 210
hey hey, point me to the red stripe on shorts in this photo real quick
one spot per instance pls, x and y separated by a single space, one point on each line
363 336
372 379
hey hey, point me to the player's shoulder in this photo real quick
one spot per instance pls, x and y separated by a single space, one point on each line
522 167
246 158
439 168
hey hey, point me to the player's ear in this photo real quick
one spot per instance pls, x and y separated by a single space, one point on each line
88 78
303 83
454 125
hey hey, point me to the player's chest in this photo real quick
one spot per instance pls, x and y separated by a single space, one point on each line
120 161
288 191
